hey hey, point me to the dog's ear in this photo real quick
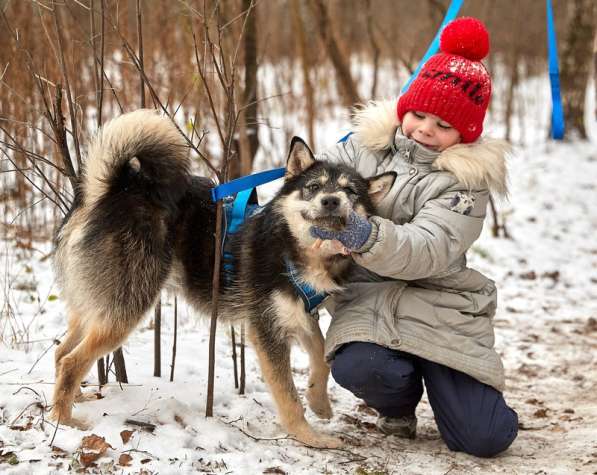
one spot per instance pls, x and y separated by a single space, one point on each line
300 157
380 185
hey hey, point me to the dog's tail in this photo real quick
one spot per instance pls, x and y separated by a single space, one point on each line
114 251
140 154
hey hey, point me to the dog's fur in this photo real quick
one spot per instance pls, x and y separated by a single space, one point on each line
142 222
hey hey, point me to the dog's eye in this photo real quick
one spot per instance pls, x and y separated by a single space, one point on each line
313 187
349 190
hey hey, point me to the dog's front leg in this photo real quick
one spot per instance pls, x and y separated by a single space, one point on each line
273 353
317 394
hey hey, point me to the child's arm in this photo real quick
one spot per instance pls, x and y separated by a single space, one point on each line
353 154
346 153
441 232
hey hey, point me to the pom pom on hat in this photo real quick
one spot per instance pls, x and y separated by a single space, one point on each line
465 37
454 84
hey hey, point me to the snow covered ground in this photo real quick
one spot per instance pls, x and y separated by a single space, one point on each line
546 330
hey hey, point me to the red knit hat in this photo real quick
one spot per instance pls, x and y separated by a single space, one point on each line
454 84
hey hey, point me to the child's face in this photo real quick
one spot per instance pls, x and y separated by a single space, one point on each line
429 130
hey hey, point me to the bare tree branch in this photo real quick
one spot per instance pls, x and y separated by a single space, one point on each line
73 116
140 44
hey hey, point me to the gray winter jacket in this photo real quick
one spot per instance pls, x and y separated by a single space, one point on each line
414 292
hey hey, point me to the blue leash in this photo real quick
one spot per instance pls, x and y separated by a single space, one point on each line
557 112
245 183
450 15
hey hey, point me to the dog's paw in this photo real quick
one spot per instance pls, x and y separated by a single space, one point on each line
321 441
84 397
76 424
68 421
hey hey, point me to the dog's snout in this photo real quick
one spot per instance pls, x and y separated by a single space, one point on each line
330 203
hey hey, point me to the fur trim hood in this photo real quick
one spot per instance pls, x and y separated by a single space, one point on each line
481 164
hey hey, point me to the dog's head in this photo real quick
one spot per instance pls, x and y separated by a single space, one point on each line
323 194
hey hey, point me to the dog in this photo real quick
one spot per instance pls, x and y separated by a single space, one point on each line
140 222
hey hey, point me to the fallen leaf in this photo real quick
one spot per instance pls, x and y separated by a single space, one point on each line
125 460
554 275
87 459
25 427
540 413
277 470
358 423
524 426
92 448
9 457
95 442
58 452
591 325
126 435
528 370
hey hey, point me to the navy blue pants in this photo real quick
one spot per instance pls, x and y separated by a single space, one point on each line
472 417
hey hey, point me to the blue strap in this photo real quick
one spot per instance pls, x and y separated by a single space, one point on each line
246 182
450 15
235 214
557 113
239 209
310 297
345 138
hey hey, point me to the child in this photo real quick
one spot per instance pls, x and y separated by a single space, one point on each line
416 313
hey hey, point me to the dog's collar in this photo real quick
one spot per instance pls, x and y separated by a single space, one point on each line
310 297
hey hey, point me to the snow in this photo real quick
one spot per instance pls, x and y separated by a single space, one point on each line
546 331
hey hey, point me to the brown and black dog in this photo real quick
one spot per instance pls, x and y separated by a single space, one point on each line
142 221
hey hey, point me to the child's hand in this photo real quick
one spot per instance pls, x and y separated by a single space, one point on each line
353 236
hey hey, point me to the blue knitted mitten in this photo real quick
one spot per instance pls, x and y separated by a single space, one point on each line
353 236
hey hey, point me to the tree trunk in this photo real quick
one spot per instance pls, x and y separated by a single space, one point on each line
341 63
120 367
157 340
576 65
234 359
301 43
250 92
374 48
243 374
595 73
514 59
102 377
175 338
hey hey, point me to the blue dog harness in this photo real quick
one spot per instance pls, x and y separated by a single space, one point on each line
236 211
310 297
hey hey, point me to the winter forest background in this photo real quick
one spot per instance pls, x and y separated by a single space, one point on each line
240 78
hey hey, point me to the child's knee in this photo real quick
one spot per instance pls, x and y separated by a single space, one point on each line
491 439
361 365
349 366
